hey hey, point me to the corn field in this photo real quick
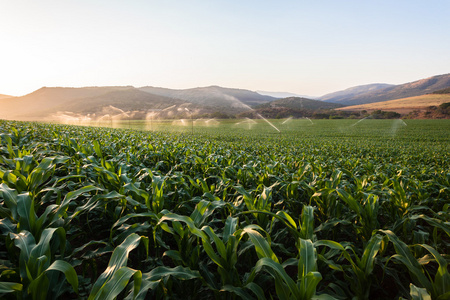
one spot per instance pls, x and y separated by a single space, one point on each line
323 210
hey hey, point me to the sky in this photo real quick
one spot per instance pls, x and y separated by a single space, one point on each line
304 47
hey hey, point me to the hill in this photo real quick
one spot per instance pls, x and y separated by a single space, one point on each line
404 105
380 93
33 104
123 104
281 95
353 92
300 103
213 96
443 91
50 102
295 107
5 96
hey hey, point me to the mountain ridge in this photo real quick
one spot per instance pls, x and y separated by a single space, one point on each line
210 101
213 96
389 92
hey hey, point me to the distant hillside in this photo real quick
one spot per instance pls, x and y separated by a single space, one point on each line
300 103
354 92
129 103
213 96
34 104
5 96
380 94
125 102
281 95
404 105
48 102
443 91
295 107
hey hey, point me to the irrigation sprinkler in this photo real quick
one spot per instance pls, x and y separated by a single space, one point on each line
192 120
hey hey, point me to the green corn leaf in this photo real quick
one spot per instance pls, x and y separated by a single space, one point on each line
261 246
118 260
445 226
6 226
350 201
256 289
71 196
248 199
230 228
25 210
146 285
236 290
179 272
118 282
25 242
68 270
220 246
442 277
323 297
418 293
158 183
405 256
308 284
39 287
275 269
307 225
149 215
10 197
10 287
141 193
288 219
218 260
370 251
307 258
97 149
174 254
204 209
43 246
329 244
43 218
187 220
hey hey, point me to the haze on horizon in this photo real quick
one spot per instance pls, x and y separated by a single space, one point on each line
304 47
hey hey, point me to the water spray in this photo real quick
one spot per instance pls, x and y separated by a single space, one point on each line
359 121
192 120
287 120
270 123
310 120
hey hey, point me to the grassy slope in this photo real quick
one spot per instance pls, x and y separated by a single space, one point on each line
403 105
5 96
36 104
411 89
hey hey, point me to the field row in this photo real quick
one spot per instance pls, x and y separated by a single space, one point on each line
327 210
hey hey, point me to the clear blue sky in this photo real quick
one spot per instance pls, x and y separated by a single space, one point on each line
305 47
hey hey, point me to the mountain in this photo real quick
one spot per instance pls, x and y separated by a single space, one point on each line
378 93
130 99
51 103
291 107
5 96
443 91
47 103
281 95
300 103
213 96
353 92
404 105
